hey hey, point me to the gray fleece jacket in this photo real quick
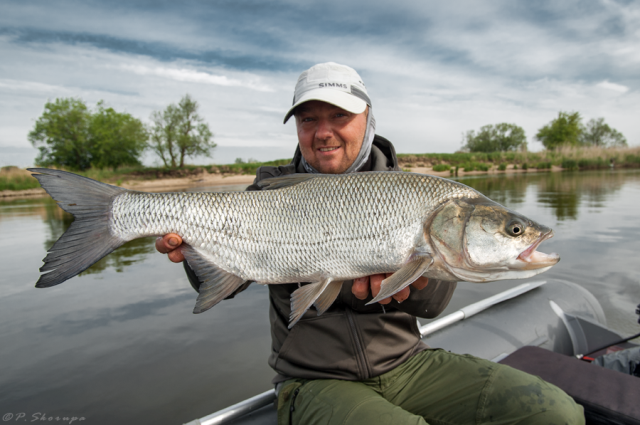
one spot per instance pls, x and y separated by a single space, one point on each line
350 340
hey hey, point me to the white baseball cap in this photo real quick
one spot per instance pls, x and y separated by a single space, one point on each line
333 83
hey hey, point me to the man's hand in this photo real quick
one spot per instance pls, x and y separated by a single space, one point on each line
170 245
362 285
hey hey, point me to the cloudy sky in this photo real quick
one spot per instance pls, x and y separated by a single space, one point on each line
433 69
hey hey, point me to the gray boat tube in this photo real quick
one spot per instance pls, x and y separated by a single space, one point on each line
477 307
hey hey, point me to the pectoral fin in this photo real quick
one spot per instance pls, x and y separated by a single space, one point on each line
217 284
304 297
412 270
328 296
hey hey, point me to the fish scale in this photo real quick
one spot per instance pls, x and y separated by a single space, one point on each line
341 226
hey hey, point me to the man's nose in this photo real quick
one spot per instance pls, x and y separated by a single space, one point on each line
324 130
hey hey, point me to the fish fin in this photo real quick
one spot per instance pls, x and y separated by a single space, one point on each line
328 296
303 297
217 284
412 270
285 181
88 239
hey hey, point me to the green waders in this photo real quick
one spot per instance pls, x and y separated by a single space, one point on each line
433 387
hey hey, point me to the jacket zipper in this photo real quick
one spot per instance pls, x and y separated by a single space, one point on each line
360 357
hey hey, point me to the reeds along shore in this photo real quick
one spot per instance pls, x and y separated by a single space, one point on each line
571 158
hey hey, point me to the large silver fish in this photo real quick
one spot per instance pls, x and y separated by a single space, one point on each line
323 229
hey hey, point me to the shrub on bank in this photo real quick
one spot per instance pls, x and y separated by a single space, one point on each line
632 159
543 166
570 164
441 167
593 163
10 182
475 166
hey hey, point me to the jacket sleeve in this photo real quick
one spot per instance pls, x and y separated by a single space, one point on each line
430 301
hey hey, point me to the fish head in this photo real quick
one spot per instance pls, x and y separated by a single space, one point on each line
480 240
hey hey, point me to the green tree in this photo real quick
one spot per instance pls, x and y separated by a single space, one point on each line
496 138
179 132
597 133
116 138
564 130
69 135
61 135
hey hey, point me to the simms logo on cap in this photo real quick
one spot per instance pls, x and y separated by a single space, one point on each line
339 85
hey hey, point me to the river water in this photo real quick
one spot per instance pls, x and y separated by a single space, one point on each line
119 343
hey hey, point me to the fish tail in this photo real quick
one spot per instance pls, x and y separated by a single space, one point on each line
88 239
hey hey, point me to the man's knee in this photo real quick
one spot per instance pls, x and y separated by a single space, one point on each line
517 397
567 416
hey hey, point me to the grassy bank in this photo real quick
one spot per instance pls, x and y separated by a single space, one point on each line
567 158
13 178
153 173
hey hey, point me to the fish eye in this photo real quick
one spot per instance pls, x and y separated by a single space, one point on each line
516 228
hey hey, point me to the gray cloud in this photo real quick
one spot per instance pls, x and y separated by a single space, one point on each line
434 69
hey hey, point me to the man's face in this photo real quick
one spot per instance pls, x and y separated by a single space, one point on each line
330 137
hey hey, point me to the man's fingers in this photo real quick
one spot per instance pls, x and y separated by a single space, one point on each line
176 256
420 283
402 295
169 244
160 245
360 287
376 281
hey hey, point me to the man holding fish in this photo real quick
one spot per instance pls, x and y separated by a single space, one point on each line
363 362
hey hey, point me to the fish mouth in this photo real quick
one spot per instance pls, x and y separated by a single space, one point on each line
533 259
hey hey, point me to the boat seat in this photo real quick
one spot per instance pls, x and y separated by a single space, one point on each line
608 397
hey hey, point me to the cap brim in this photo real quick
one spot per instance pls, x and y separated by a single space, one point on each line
346 101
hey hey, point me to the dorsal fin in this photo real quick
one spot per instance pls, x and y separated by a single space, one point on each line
285 181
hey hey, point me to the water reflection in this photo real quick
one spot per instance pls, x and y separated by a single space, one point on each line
564 193
506 189
58 221
125 348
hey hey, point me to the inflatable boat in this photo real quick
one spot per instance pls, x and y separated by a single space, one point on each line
550 328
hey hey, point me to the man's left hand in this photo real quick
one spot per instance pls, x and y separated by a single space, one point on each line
362 286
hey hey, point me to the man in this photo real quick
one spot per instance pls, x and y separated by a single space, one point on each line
367 364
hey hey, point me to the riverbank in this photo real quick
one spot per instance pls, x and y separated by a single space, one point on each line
15 182
568 158
205 179
162 184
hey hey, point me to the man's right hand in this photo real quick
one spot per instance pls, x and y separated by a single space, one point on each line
170 244
362 286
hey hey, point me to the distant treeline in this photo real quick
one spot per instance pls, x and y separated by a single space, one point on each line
68 134
565 130
567 157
